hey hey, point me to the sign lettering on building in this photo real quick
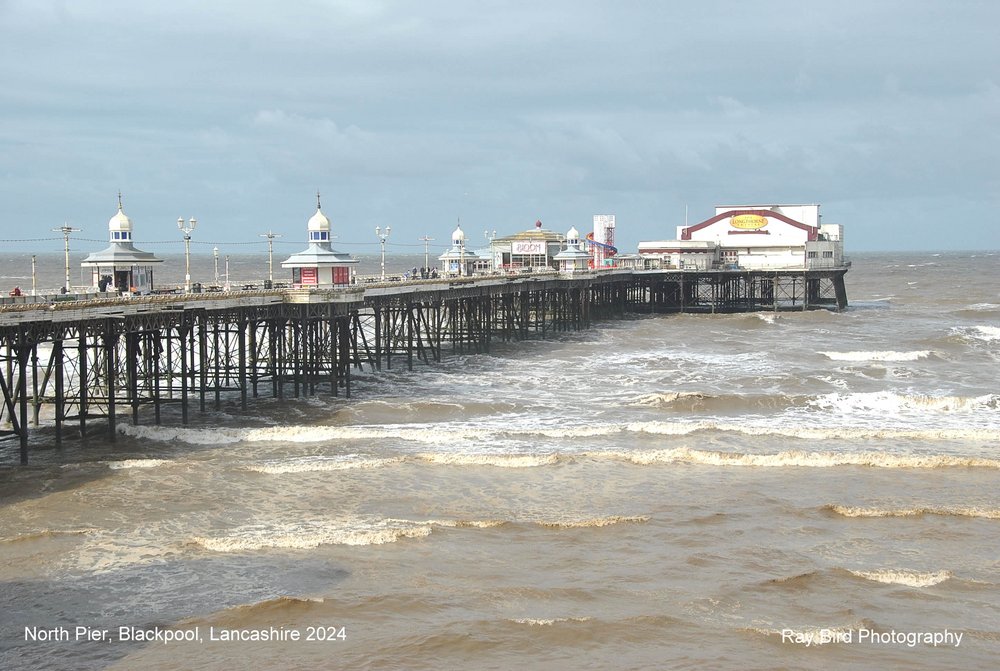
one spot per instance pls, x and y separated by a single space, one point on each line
748 222
527 247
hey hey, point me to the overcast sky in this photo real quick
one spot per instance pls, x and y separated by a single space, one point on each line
413 114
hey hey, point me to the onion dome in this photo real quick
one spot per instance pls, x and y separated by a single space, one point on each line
120 223
318 222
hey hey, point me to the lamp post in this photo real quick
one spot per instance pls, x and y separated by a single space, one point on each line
490 237
186 229
382 236
427 263
66 229
227 287
461 251
270 253
33 275
215 254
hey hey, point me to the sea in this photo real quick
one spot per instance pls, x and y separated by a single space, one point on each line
794 490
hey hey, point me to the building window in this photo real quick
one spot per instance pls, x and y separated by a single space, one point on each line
320 236
827 255
116 235
811 255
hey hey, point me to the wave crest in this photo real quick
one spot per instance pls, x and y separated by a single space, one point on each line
498 460
971 511
594 522
796 458
545 622
814 433
887 355
135 463
313 464
904 577
308 535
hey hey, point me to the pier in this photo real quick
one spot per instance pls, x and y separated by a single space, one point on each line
72 367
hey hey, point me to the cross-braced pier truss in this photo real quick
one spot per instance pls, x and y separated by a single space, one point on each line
66 366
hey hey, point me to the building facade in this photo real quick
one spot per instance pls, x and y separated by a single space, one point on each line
535 248
752 237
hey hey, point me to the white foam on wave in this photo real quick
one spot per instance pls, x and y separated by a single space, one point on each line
988 333
795 458
135 463
666 398
497 460
312 534
311 464
303 433
889 403
904 577
887 355
970 511
594 522
547 622
816 433
460 524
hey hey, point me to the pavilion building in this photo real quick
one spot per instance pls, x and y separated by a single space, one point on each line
318 265
121 267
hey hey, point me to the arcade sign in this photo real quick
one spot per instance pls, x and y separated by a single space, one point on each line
526 248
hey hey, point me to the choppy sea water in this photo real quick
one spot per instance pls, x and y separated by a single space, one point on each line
660 492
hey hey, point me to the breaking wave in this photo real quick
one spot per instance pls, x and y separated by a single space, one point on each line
877 355
135 463
308 535
498 460
972 511
319 464
987 333
904 577
542 622
882 402
796 458
892 403
311 534
815 433
595 522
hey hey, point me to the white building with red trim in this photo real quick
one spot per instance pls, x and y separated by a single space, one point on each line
752 237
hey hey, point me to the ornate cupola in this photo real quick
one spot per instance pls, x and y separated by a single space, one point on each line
121 267
318 265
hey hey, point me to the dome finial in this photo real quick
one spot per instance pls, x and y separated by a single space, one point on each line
119 199
318 206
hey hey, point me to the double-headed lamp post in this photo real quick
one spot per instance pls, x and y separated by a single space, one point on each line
382 236
270 254
426 240
66 229
186 228
215 254
490 237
